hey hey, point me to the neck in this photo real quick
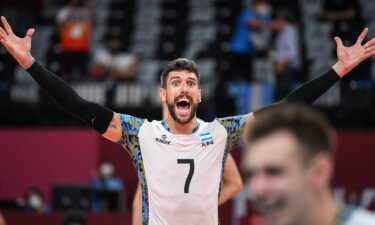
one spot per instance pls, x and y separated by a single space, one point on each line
324 211
181 128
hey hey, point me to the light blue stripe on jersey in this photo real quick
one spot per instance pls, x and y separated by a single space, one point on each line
205 136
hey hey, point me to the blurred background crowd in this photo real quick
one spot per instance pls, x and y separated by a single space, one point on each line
249 53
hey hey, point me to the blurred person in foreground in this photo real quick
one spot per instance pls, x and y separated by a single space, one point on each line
179 160
288 167
232 184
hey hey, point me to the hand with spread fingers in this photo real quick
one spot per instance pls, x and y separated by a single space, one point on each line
18 47
350 57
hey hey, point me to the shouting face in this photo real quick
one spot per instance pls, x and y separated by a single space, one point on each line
181 95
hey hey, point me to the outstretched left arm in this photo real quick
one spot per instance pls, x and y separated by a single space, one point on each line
348 59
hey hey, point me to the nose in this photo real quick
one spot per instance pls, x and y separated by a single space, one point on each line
260 186
184 88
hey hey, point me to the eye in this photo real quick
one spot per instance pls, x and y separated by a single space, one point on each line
273 171
175 83
248 175
191 84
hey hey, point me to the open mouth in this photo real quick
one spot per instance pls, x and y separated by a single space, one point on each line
183 104
266 206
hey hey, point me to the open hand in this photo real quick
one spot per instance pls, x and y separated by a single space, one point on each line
350 57
18 47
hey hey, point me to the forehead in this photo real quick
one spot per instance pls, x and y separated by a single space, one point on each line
280 148
182 74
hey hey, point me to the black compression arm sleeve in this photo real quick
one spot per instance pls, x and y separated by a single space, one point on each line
313 89
91 113
309 91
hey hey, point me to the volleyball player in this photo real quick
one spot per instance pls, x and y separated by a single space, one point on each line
179 160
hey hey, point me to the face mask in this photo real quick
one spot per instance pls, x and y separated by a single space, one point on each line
35 201
263 10
106 170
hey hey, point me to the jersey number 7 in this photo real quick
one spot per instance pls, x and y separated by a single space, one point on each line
191 172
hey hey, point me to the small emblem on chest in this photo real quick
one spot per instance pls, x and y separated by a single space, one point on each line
163 140
206 139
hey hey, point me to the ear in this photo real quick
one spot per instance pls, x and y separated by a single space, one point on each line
322 169
162 95
200 96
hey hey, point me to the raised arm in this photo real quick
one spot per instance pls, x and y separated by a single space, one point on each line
232 182
348 59
100 118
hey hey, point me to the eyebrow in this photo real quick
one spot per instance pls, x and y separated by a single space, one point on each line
189 78
269 170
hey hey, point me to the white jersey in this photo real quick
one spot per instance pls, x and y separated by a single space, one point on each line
358 216
180 175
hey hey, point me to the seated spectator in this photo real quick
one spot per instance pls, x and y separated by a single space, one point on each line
107 182
115 64
34 201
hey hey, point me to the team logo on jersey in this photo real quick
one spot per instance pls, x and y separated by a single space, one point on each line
163 139
206 139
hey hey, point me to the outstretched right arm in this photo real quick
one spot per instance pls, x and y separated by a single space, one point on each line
100 118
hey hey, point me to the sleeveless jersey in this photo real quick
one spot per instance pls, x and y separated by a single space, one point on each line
180 175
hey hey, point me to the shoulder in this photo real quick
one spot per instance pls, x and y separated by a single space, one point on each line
129 122
361 216
232 121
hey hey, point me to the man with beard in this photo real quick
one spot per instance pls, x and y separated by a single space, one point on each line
288 167
179 160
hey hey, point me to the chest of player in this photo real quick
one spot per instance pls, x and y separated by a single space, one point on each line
191 162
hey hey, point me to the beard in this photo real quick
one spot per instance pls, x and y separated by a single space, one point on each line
172 108
263 205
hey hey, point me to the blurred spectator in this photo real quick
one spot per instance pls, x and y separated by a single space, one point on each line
112 63
107 182
75 22
286 56
34 201
74 218
345 16
248 39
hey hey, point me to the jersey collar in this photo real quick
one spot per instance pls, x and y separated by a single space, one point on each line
165 125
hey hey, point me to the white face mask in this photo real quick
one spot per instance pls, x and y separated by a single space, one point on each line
263 10
35 201
106 170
